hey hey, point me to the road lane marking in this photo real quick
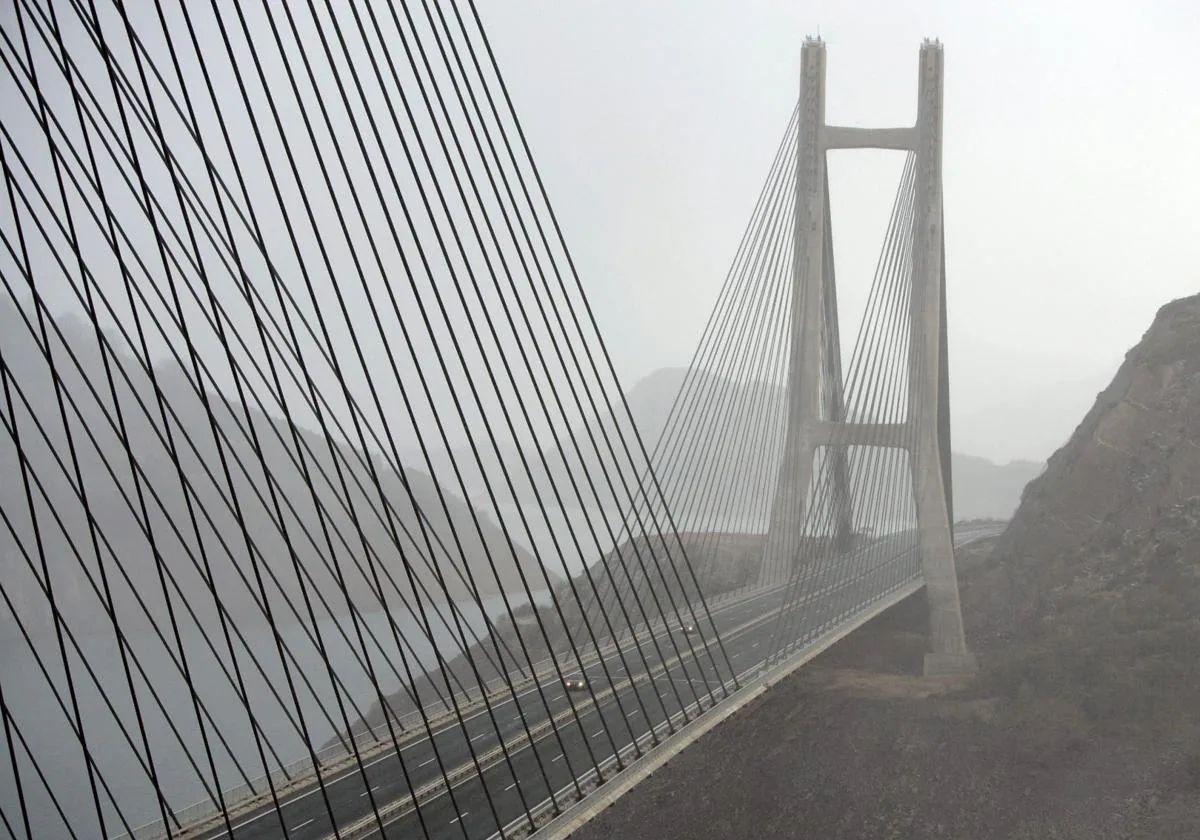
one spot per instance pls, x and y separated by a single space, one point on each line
306 822
459 817
634 712
510 787
617 647
480 735
365 792
661 662
560 755
598 734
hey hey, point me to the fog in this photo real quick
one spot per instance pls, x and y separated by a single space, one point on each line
1072 183
393 440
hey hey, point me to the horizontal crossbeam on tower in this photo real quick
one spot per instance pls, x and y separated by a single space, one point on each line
846 137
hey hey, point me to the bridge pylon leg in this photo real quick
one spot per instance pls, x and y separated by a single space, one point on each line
929 383
814 355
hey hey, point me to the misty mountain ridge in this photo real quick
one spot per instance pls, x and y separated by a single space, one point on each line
220 534
982 489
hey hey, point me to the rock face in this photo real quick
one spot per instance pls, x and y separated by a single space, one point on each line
1119 504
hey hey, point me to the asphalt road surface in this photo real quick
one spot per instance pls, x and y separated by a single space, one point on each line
583 733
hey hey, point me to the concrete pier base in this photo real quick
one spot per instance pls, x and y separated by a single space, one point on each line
950 664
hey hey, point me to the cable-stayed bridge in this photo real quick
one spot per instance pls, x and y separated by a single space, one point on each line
324 514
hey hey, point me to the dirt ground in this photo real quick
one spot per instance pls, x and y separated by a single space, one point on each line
859 745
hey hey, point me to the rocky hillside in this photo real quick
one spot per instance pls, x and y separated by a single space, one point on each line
1117 511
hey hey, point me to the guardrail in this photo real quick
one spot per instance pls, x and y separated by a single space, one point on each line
206 814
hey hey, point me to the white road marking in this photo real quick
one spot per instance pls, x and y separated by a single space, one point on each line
634 712
480 735
560 755
423 763
298 827
365 792
460 816
598 734
510 787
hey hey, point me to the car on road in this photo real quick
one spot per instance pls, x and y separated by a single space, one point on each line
689 628
575 682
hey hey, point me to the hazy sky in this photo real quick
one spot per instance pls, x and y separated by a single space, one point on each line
1072 172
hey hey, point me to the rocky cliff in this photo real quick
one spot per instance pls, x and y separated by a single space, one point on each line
1117 511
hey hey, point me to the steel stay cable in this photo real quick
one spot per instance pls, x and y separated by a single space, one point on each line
586 305
291 424
165 334
5 375
320 399
294 457
592 363
558 353
24 261
18 784
459 354
820 570
466 309
742 289
873 360
193 385
672 435
886 412
502 745
11 727
358 351
537 298
100 403
144 514
725 401
717 427
103 539
747 474
492 274
61 626
809 570
328 267
123 434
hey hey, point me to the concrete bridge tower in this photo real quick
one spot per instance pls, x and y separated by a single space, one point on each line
816 422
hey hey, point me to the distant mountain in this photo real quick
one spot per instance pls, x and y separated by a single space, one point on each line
982 489
213 505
